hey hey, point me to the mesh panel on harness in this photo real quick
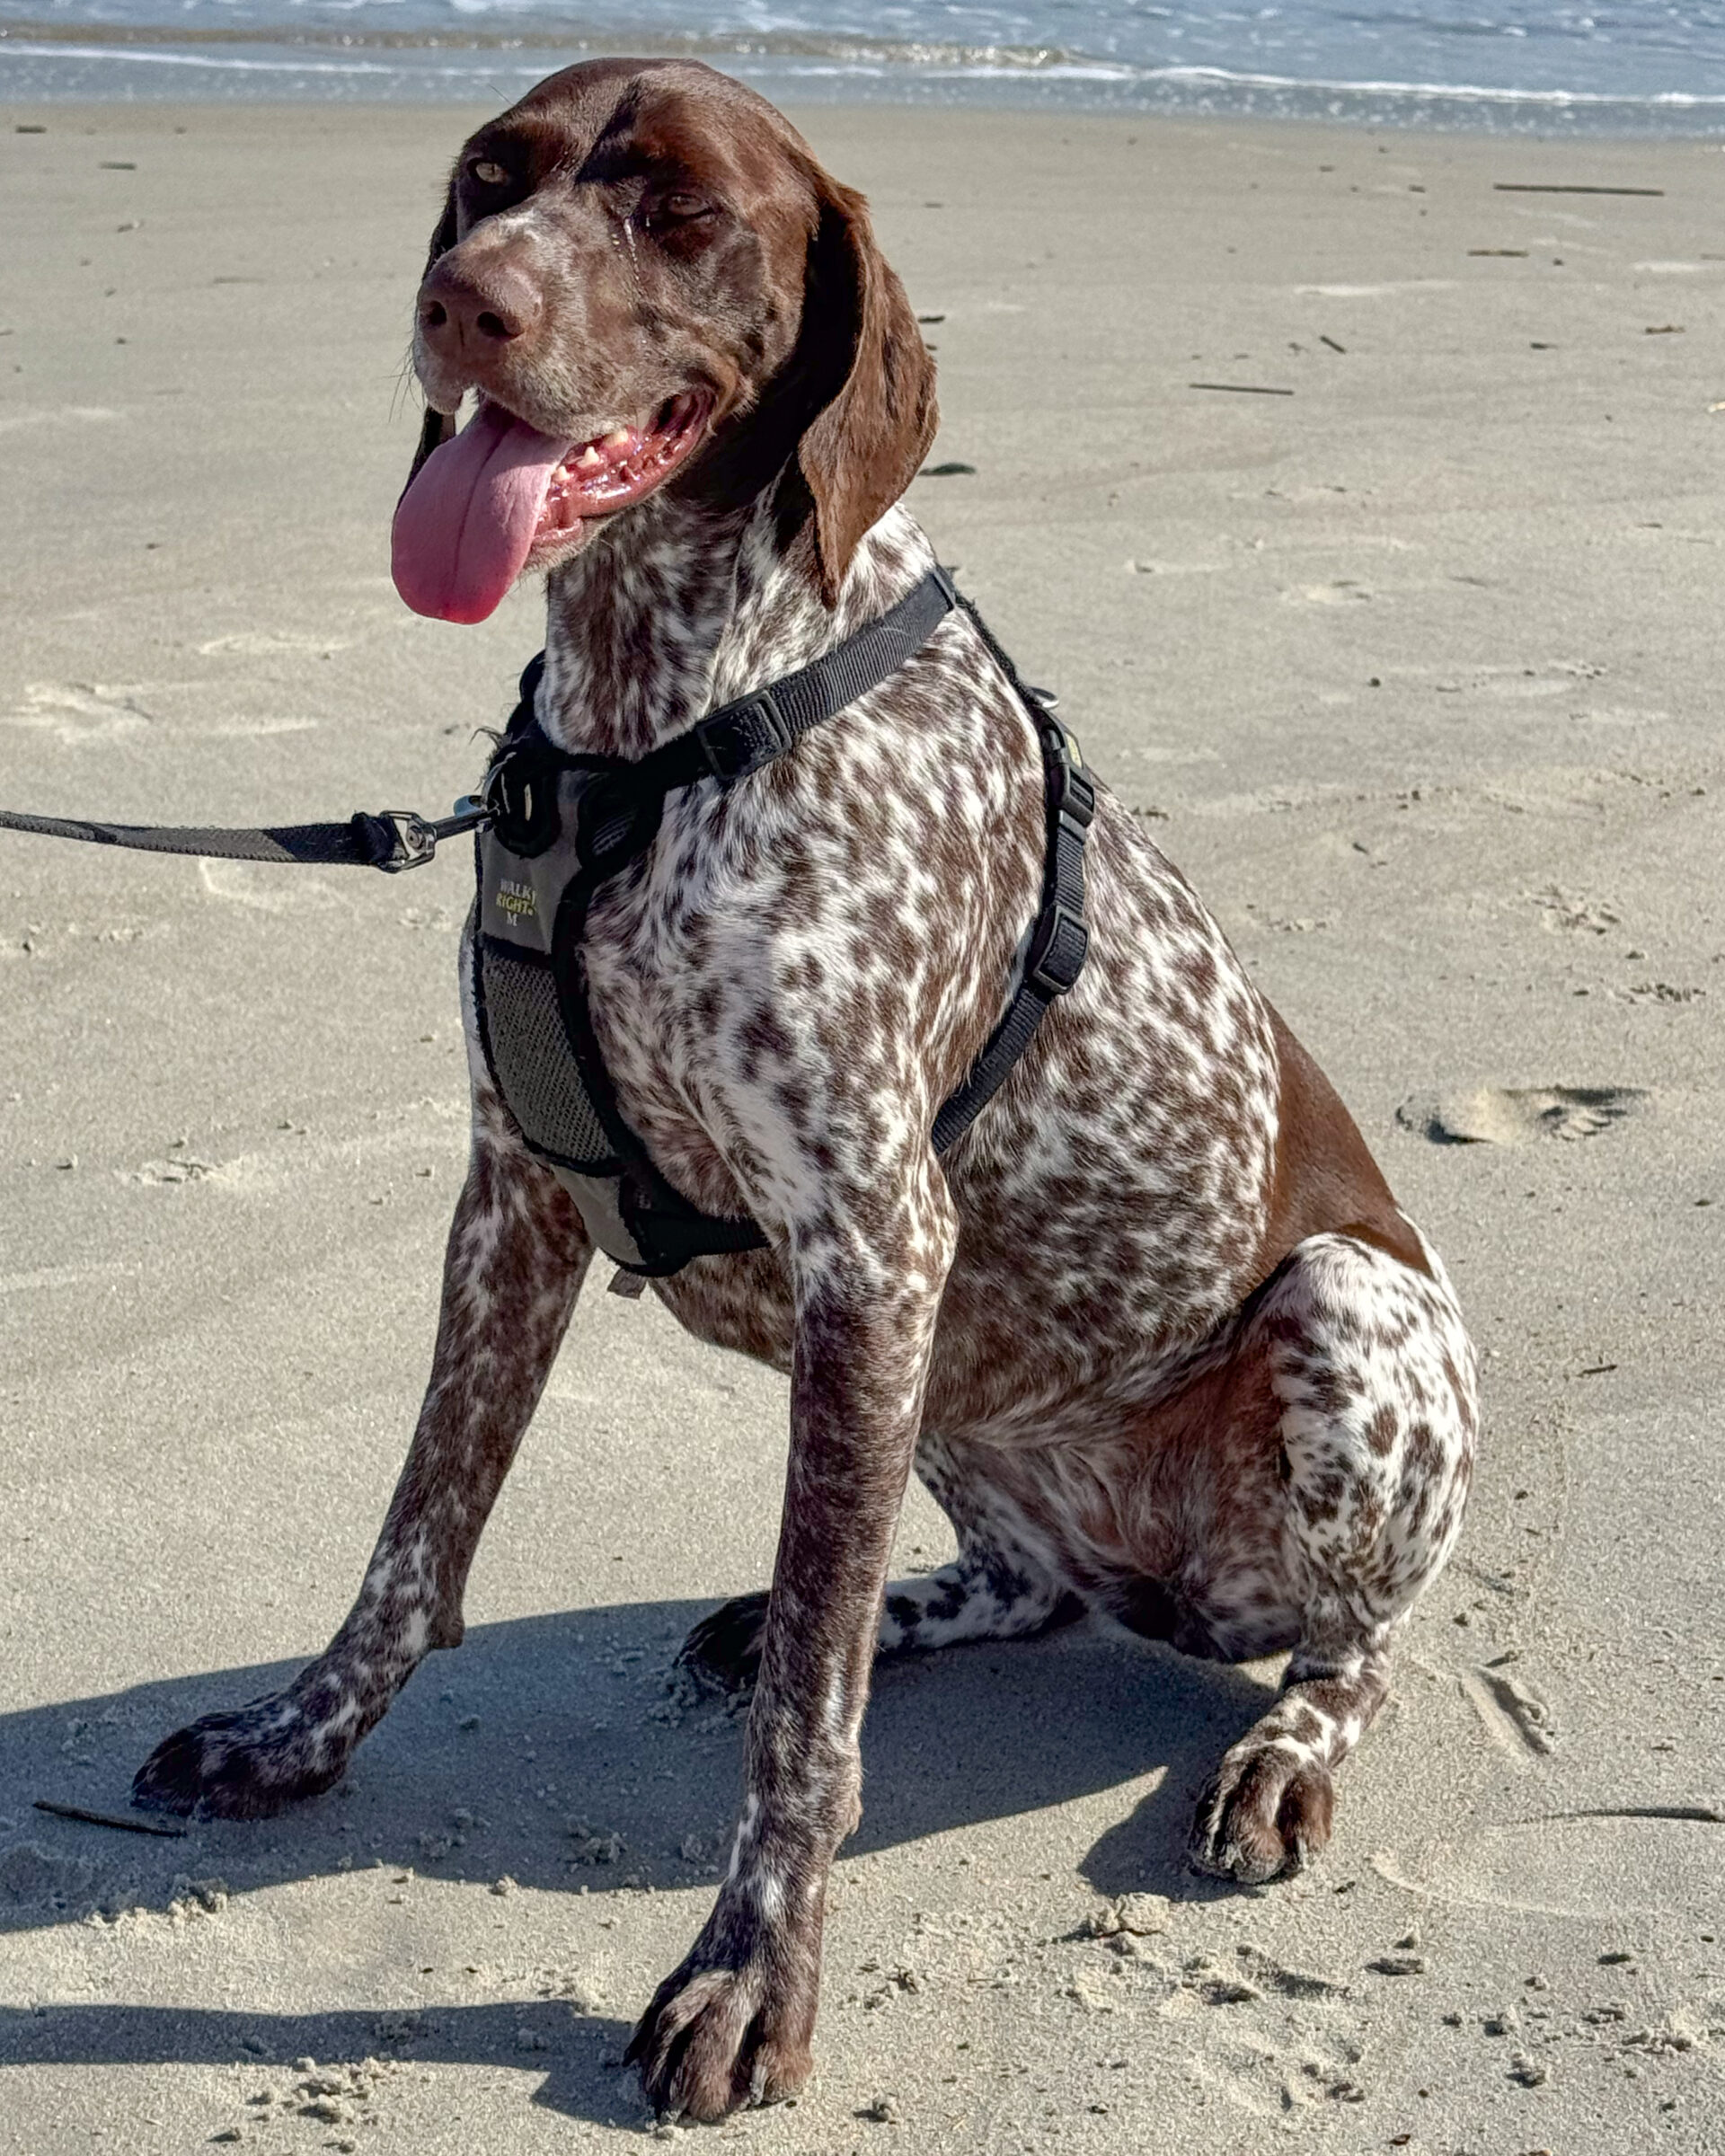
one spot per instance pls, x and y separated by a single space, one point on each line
536 1072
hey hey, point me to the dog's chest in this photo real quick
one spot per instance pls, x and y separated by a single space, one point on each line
1112 1198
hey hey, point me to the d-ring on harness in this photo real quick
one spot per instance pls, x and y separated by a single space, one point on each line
559 826
551 828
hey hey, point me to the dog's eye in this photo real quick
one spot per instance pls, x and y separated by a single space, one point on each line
683 205
488 173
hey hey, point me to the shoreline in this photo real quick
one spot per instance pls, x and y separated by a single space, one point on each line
62 62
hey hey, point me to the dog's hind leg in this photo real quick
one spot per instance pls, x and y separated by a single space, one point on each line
983 1595
1373 1377
997 1588
516 1257
1006 1583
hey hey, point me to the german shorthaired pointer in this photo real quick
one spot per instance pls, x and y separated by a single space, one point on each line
1155 1333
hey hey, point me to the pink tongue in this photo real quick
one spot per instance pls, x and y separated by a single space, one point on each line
463 528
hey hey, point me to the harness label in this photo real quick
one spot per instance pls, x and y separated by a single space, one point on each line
516 901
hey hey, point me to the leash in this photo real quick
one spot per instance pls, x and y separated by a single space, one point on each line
392 840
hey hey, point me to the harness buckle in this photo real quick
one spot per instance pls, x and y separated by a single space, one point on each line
416 841
1072 793
614 820
1056 954
520 797
753 733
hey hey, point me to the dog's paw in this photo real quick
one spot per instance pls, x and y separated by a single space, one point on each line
242 1765
1267 1812
716 2039
724 1651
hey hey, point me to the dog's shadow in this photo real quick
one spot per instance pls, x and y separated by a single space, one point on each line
564 1752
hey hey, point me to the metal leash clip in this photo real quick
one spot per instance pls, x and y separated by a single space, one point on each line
416 837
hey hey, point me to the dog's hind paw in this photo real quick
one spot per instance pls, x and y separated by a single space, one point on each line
242 1765
724 1651
1268 1812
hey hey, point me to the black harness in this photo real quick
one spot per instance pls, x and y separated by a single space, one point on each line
559 826
553 827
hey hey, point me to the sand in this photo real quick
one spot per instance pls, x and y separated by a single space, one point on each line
1413 669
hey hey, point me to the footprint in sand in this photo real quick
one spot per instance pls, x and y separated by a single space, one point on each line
1515 1116
1176 569
1517 1719
66 415
1561 909
31 1873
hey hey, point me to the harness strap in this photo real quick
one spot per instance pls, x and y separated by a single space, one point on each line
1059 941
743 736
1059 938
729 743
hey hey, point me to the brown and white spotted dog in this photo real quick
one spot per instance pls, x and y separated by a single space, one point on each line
1155 1333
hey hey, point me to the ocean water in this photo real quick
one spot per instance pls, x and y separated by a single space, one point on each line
1642 66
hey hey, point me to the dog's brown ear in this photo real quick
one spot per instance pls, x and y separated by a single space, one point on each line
438 427
863 447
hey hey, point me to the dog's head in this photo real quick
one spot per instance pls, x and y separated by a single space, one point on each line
649 282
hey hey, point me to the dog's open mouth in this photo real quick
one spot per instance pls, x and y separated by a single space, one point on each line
614 469
500 494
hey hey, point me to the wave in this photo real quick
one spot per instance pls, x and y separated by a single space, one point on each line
1467 92
140 55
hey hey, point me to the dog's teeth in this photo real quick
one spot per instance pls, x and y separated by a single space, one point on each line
620 437
589 460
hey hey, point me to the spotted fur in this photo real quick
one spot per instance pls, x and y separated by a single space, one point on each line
1155 1333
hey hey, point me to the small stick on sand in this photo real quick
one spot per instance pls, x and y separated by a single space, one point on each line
1542 187
1244 389
1698 1815
1331 341
126 1826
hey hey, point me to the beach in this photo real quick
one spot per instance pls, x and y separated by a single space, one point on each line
1360 494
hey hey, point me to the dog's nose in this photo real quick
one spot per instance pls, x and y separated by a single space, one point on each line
473 310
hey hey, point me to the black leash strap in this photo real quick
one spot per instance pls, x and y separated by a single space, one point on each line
393 840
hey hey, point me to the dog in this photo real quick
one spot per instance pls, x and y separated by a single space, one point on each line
1154 1333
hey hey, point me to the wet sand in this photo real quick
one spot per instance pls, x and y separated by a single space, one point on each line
1414 670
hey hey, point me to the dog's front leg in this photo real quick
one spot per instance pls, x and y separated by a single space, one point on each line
732 2026
516 1257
